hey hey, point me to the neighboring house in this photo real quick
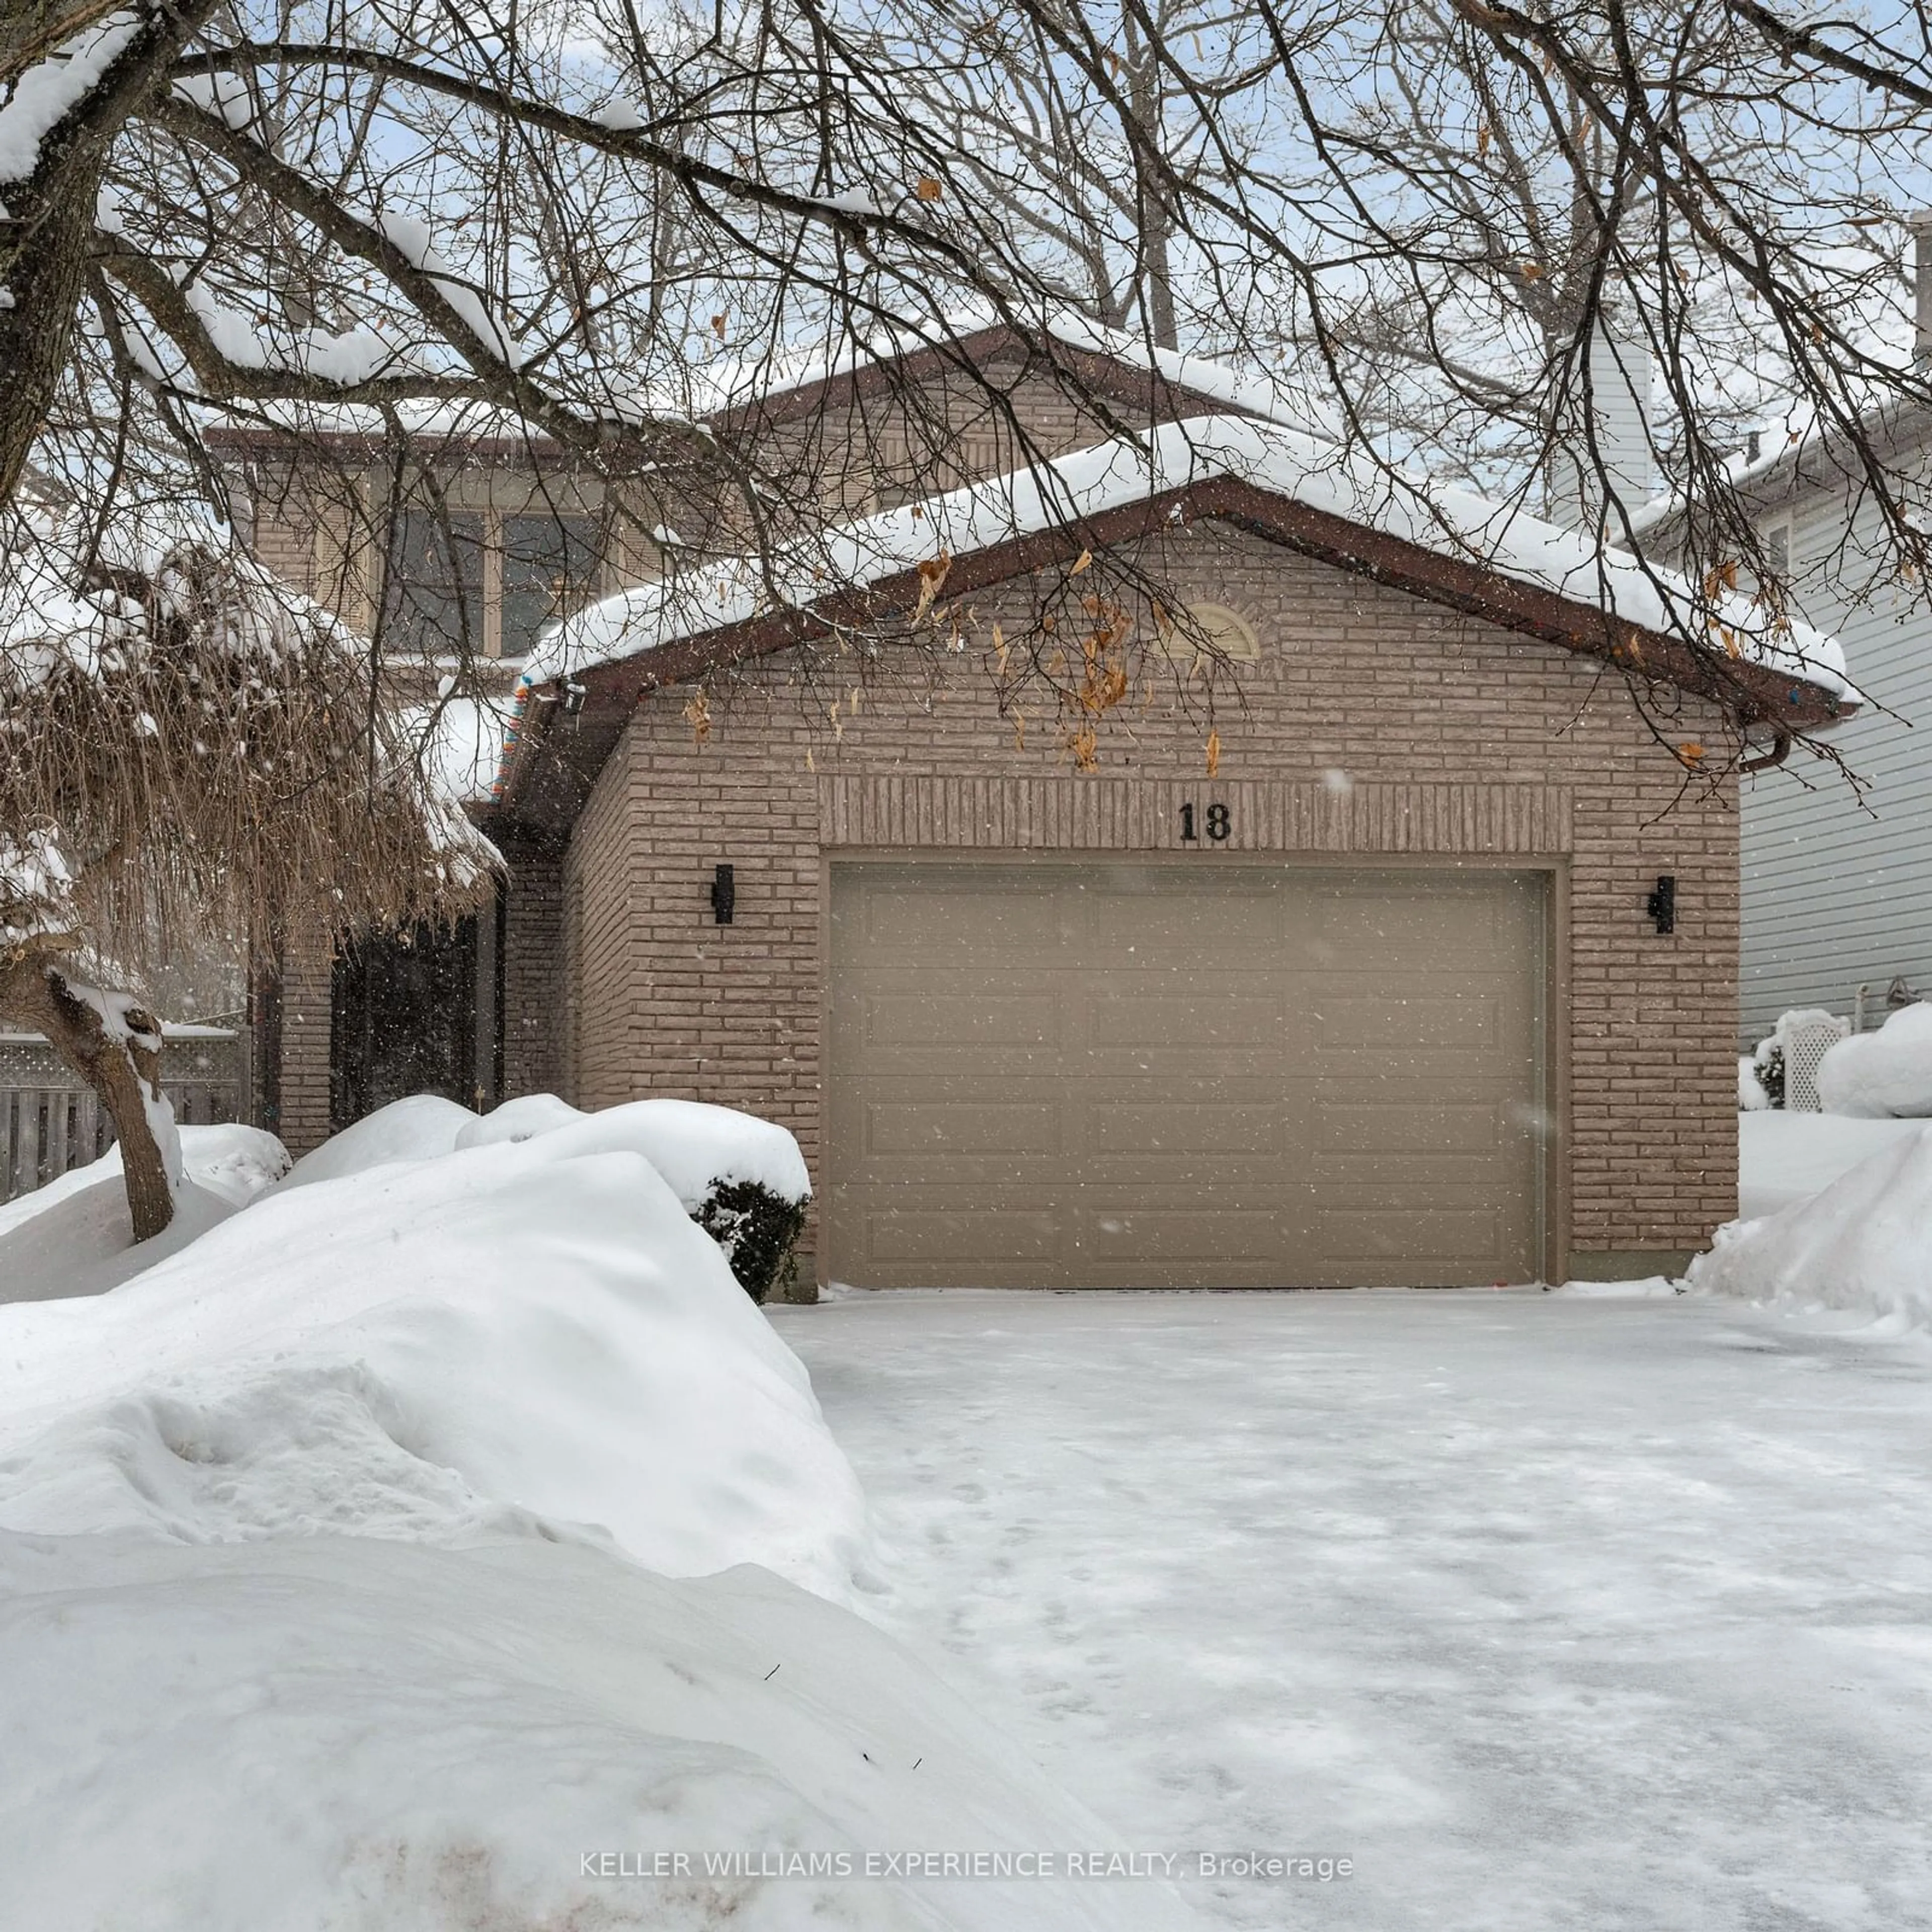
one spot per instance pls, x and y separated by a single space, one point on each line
1837 882
1373 998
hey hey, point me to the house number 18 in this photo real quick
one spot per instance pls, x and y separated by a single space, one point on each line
1218 824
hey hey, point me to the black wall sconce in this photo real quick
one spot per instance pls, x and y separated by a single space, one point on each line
724 894
1661 906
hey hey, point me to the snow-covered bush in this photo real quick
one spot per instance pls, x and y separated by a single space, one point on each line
417 1128
1754 1096
1889 1072
741 1179
758 1230
1767 1069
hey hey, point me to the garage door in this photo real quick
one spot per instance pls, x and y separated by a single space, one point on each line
1099 1075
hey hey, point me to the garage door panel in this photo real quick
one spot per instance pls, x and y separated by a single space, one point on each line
1002 914
1416 1014
1416 1247
1176 1017
1385 912
1204 1129
977 1239
1356 1125
1088 1073
1124 1236
943 1016
903 1132
1163 922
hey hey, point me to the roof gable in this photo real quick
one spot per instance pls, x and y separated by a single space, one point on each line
1449 547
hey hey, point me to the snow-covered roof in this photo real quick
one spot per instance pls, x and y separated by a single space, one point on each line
721 386
1306 469
1783 448
461 741
718 387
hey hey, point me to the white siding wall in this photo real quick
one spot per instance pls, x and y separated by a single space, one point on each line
1833 892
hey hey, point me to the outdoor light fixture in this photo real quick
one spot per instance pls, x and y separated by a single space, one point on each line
1661 905
571 697
724 894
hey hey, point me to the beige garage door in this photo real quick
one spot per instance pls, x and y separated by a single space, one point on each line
1101 1074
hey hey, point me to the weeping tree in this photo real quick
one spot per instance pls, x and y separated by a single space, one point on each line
186 744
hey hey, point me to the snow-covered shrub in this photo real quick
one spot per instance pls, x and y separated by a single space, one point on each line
1889 1072
1754 1097
741 1179
419 1128
1767 1065
522 1119
758 1229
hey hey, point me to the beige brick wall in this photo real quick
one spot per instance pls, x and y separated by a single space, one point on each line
1451 737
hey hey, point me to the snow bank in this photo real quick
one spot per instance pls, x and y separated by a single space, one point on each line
432 1740
526 1338
1752 1098
1784 1158
419 1128
692 1145
352 1507
521 1119
1864 1243
74 1236
1872 1075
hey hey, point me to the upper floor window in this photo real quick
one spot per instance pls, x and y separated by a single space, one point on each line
483 582
549 567
436 582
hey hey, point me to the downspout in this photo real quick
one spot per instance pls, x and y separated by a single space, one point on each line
1780 749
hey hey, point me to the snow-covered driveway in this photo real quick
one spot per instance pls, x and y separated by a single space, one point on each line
1546 1612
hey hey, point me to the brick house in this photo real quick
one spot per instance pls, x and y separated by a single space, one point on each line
1368 994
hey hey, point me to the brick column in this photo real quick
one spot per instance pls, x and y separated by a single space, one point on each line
308 970
533 975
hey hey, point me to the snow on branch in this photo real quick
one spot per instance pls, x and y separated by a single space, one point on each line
48 91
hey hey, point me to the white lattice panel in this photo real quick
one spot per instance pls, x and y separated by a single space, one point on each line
1806 1038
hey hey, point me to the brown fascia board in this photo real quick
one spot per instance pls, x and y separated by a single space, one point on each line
553 768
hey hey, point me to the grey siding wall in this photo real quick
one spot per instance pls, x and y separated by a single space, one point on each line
1836 892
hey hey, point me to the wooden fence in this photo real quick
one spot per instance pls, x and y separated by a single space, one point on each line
49 1124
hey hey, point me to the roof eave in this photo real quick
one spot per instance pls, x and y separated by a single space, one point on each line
543 782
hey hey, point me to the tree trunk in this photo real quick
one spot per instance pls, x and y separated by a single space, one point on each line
35 992
46 234
43 283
